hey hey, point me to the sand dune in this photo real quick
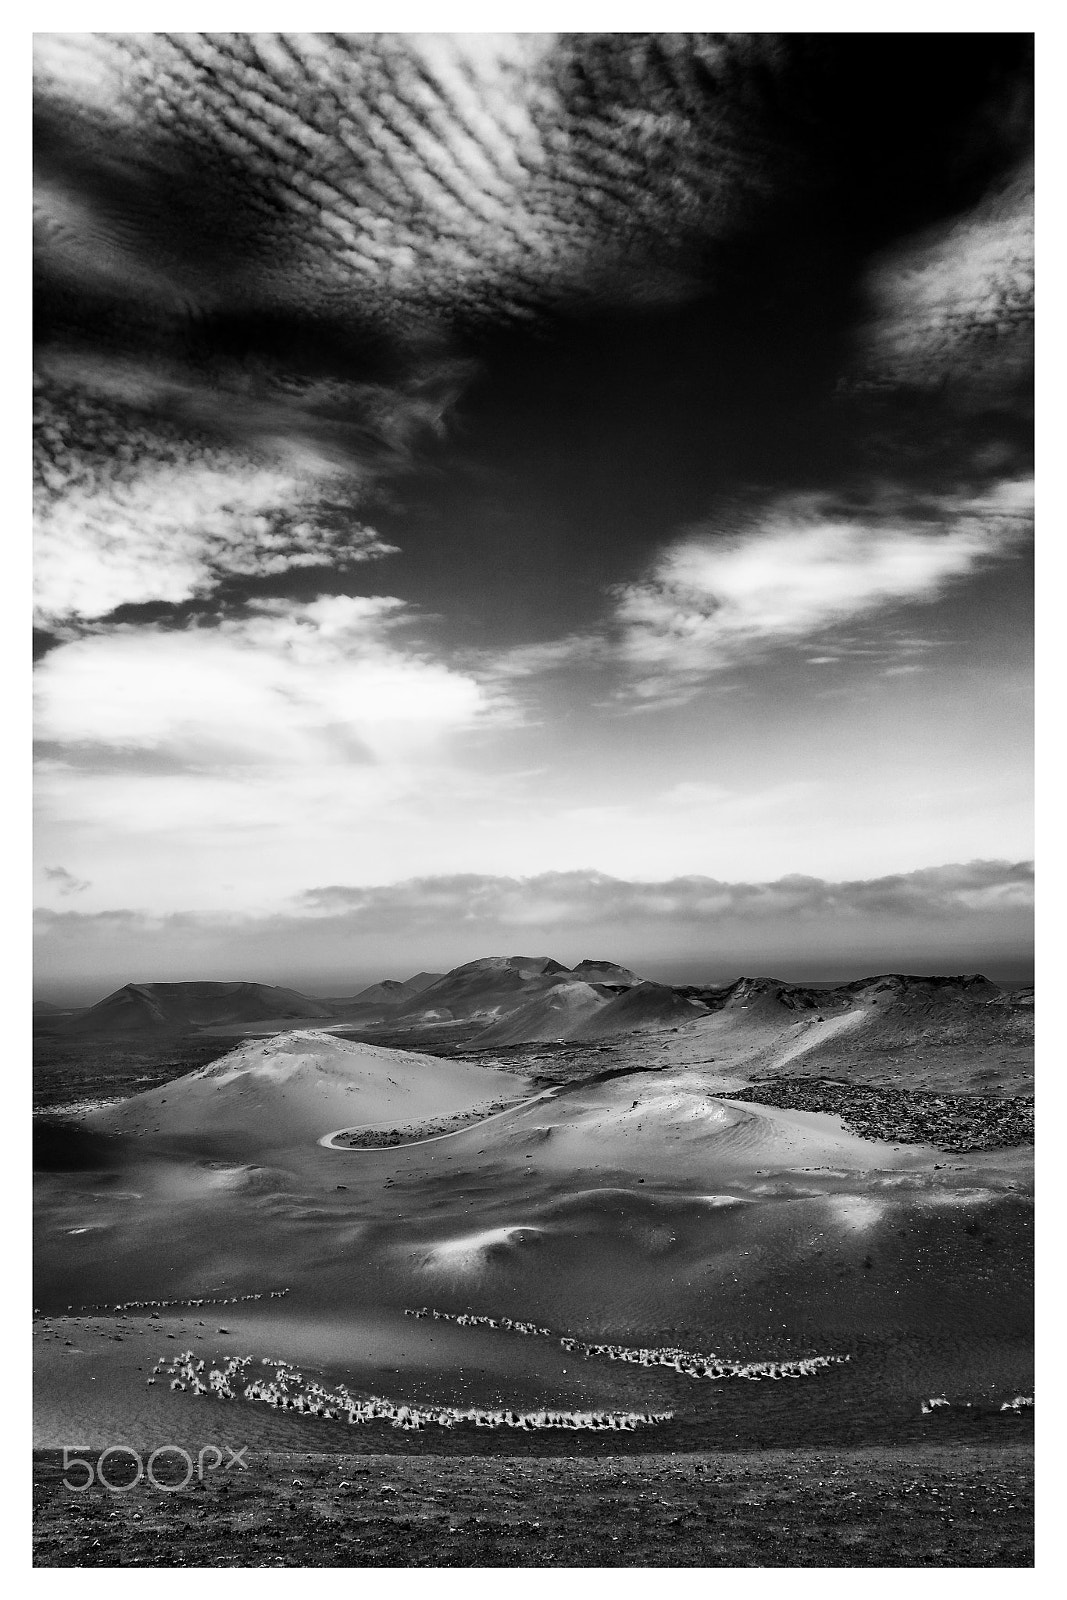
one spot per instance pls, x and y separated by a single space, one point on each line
669 1124
469 1252
819 1033
303 1084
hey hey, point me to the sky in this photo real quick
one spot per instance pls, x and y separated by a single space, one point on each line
564 494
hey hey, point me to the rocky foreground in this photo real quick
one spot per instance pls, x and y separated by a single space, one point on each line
939 1506
904 1116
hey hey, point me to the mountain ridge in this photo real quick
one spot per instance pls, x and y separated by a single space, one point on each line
525 999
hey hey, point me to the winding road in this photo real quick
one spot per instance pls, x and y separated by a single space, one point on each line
328 1139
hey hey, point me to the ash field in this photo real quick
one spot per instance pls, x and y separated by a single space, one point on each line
592 1219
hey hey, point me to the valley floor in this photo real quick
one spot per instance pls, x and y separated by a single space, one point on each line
937 1506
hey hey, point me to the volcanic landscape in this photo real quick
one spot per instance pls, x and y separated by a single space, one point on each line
527 1210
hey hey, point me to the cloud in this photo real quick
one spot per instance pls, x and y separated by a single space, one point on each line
948 918
130 509
275 240
268 266
400 174
253 251
65 881
331 681
956 303
497 172
592 898
215 766
548 656
798 569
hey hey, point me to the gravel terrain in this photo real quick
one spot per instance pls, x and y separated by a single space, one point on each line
936 1507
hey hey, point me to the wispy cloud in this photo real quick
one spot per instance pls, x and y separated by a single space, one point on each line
799 568
801 572
66 882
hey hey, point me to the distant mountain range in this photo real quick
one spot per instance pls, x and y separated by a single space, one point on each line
501 1001
391 991
178 1007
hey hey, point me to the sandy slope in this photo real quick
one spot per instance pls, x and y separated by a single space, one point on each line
555 1014
944 1035
670 1126
303 1084
646 1005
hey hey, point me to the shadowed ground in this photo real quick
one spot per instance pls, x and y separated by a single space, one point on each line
937 1507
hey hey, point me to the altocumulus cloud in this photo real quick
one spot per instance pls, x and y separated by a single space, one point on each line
483 171
320 199
128 511
957 302
253 252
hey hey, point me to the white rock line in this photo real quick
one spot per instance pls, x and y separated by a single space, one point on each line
164 1305
289 1390
940 1402
691 1363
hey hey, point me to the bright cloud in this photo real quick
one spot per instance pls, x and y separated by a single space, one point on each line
270 265
428 169
175 763
129 512
798 570
324 682
960 298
